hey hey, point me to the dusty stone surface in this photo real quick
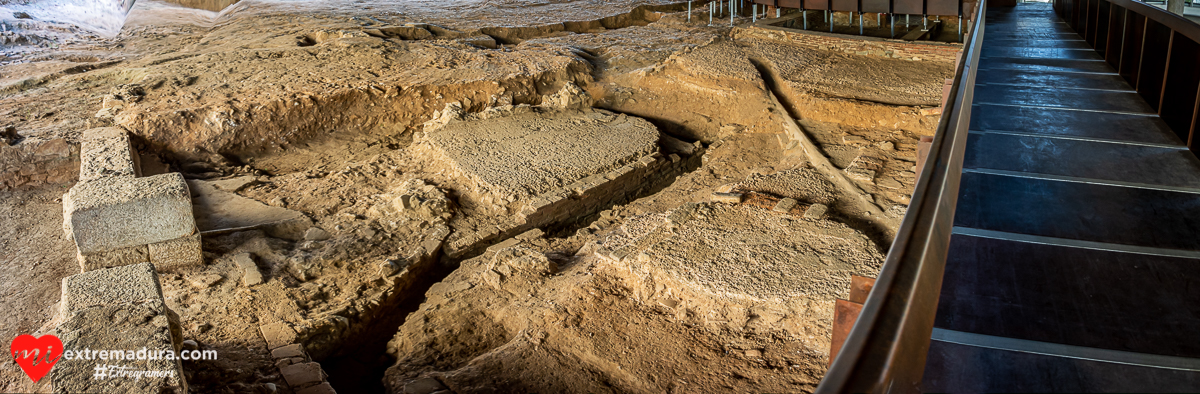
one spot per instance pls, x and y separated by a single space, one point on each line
180 252
106 152
113 258
218 208
552 149
130 284
119 309
132 327
321 103
112 213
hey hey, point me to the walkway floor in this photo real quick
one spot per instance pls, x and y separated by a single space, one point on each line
1075 260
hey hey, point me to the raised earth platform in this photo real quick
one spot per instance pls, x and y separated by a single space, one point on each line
532 167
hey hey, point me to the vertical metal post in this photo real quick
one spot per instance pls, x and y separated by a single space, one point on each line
960 37
731 3
805 19
777 12
860 25
879 20
893 24
689 10
907 21
925 21
710 12
830 13
753 12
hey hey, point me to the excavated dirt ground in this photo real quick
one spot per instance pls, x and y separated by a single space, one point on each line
321 107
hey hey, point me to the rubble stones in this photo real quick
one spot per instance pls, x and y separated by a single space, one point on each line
250 274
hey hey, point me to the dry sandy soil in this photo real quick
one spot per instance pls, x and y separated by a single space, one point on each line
323 108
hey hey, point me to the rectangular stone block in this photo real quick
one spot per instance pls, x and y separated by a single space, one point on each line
176 253
103 287
113 258
120 339
113 213
106 152
302 375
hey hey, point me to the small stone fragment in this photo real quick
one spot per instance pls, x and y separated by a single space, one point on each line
733 198
816 211
316 234
784 205
278 334
250 274
300 375
424 386
204 281
887 145
292 350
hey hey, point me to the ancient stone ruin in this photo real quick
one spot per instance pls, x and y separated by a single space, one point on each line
413 198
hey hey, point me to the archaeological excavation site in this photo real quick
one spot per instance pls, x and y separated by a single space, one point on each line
565 196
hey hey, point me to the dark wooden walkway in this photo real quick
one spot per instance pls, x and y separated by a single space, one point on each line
1075 260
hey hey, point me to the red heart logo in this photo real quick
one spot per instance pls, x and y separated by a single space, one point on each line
36 355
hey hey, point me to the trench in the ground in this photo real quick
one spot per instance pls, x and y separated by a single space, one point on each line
878 233
362 360
359 363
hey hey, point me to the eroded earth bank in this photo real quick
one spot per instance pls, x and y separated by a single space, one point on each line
478 196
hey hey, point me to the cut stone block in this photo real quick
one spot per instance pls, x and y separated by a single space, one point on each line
554 149
176 253
277 334
106 152
250 274
120 285
323 388
114 213
301 375
293 350
137 332
113 258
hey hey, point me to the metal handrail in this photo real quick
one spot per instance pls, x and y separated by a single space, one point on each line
886 350
1173 21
